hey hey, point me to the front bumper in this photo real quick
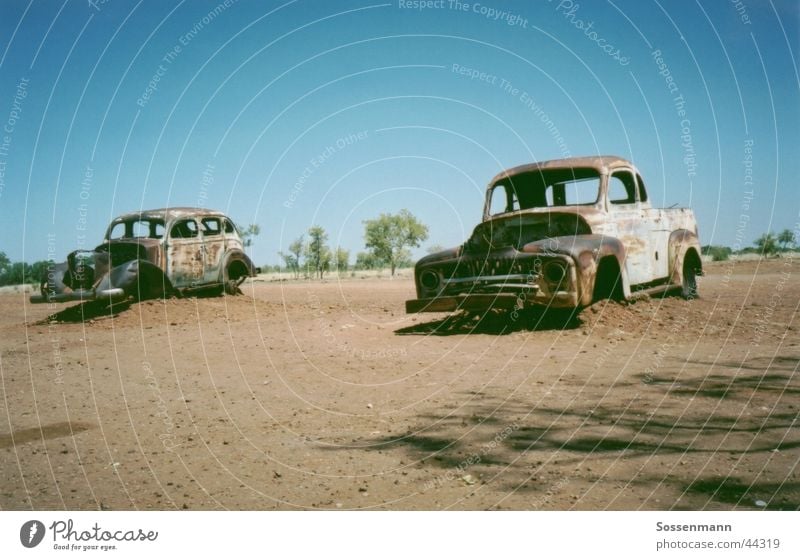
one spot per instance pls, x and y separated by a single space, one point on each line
484 302
110 295
472 302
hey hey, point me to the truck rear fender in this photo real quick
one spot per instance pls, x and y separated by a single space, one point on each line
681 243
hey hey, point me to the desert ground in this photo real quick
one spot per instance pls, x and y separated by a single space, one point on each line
326 395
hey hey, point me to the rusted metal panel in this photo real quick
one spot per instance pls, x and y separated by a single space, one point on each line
553 252
150 252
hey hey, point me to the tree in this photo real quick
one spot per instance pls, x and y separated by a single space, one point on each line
296 250
767 244
368 261
317 253
291 259
390 236
249 234
342 261
786 238
13 274
716 252
290 263
4 262
435 249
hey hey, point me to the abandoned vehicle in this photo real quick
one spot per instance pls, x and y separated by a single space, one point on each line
563 233
150 254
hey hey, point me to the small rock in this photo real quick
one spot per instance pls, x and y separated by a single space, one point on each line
469 479
760 503
369 405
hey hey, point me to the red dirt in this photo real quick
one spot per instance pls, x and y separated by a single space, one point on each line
326 395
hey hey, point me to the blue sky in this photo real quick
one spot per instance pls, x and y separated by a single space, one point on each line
310 112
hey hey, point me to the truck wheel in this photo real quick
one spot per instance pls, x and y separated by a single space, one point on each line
234 273
691 268
608 282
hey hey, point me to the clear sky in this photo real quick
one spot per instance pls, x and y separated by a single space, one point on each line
313 112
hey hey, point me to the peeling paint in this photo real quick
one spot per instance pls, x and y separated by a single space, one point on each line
154 253
560 255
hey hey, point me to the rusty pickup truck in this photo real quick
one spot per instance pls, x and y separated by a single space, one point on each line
153 253
563 233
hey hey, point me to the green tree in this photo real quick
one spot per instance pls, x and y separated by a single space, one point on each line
786 238
435 249
390 236
290 263
249 234
292 259
296 250
367 261
342 260
317 252
716 252
767 244
4 262
36 271
14 274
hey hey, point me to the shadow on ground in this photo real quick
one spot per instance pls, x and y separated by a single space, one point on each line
48 431
87 311
733 491
512 439
733 380
497 322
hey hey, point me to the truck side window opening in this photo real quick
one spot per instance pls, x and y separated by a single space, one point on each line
642 190
621 188
504 199
499 200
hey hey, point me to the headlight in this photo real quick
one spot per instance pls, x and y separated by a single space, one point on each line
554 272
429 280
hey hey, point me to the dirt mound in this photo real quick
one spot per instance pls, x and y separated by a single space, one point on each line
171 311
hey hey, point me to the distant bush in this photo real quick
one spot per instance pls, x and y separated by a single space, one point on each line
12 274
717 253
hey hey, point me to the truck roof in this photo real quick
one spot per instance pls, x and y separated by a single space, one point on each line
596 162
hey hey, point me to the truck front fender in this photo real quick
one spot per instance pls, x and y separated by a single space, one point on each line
588 251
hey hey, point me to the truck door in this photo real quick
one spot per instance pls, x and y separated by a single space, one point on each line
660 229
185 254
627 217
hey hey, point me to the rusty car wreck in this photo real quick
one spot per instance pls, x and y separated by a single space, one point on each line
563 233
150 254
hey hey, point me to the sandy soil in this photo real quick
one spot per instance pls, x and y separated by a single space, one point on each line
326 395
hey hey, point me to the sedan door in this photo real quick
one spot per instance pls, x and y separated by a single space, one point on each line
213 248
185 254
